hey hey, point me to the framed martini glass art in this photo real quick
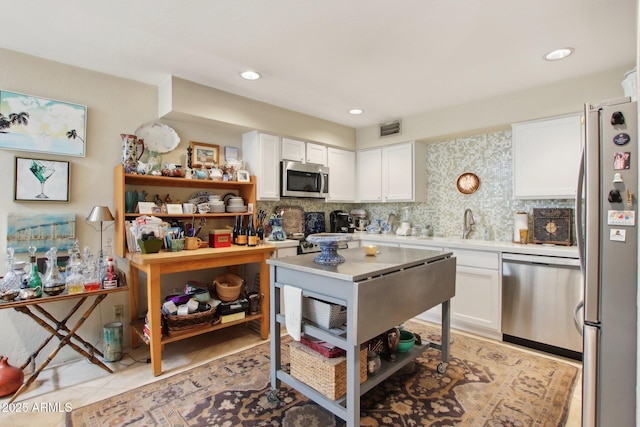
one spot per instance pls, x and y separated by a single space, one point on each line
41 180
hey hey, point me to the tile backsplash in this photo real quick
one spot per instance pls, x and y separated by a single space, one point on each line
489 157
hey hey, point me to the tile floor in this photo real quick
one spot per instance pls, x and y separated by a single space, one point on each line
80 383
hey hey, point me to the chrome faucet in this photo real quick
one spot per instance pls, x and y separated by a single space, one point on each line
467 223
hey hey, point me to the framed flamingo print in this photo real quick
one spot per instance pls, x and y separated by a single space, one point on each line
31 123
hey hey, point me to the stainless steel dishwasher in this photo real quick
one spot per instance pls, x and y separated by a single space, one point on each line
539 296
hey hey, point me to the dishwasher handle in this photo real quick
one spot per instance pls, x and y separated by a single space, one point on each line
541 260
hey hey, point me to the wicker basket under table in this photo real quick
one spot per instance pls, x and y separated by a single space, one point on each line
182 323
327 375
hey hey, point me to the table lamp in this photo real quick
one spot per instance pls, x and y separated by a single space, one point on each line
100 214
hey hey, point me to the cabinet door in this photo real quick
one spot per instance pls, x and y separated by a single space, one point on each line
546 158
268 185
477 299
397 173
342 175
316 154
369 175
293 149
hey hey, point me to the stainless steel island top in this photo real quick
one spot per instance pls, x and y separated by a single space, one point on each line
358 266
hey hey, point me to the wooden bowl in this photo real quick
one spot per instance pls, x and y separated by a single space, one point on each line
228 287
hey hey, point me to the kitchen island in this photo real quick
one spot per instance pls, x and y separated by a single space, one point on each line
379 292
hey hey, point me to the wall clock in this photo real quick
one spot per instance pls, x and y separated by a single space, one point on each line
468 183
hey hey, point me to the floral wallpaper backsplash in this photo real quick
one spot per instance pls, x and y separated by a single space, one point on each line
493 206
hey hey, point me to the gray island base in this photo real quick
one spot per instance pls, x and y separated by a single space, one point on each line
380 292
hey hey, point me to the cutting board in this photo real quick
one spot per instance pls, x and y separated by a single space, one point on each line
552 226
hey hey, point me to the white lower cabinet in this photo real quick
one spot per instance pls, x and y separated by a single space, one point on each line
477 305
477 300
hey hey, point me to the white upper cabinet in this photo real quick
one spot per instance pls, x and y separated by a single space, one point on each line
546 157
293 150
304 152
342 175
369 175
261 154
316 154
394 173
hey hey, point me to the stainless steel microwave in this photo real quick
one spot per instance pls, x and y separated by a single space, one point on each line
304 180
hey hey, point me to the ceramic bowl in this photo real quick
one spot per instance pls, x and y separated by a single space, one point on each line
407 340
370 250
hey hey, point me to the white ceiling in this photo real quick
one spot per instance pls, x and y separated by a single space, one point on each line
323 57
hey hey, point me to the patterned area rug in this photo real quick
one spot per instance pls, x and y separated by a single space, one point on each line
486 384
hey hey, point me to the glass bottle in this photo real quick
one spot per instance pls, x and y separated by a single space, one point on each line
53 284
74 274
11 281
234 233
110 278
242 233
252 236
35 282
90 279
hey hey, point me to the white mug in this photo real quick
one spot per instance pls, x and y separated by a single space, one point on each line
188 208
203 208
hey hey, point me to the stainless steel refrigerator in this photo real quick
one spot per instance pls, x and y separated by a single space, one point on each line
606 233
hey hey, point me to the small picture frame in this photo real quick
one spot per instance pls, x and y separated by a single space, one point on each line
39 180
230 153
146 207
202 153
243 176
174 208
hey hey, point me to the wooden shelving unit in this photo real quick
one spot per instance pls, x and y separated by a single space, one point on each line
145 270
129 182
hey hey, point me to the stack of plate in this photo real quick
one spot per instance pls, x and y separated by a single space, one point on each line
236 204
216 206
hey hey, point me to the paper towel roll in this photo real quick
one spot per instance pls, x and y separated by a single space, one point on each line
520 221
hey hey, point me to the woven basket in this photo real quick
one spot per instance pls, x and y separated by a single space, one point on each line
228 287
327 375
180 323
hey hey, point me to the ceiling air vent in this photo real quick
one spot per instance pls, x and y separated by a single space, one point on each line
389 129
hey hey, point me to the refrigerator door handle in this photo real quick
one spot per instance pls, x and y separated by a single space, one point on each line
590 375
578 213
577 318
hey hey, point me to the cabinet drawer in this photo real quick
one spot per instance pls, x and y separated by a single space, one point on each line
480 259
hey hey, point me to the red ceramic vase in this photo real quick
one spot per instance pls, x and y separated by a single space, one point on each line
11 378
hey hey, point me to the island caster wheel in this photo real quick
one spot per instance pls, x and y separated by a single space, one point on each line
442 367
272 396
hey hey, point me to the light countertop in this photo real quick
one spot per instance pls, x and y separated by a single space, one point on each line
472 244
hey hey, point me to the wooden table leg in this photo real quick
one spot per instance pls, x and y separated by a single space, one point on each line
266 300
62 326
66 340
133 302
155 318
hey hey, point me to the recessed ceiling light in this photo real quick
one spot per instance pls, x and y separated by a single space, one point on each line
250 75
557 54
356 111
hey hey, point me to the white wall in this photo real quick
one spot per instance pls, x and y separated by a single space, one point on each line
114 106
499 112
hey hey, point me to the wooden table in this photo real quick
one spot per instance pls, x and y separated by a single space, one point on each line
155 265
58 328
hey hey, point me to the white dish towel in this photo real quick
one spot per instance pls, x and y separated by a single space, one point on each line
293 311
